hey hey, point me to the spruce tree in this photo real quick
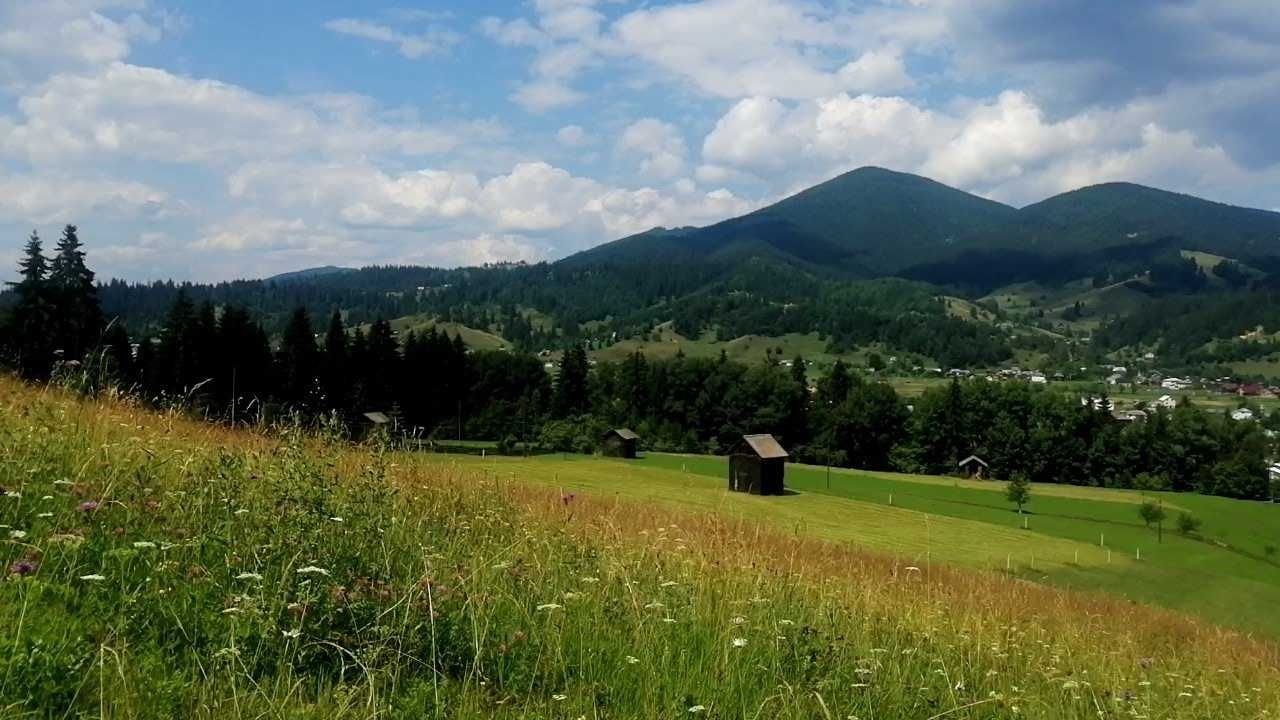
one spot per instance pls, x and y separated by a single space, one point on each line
78 323
33 312
334 381
571 383
298 360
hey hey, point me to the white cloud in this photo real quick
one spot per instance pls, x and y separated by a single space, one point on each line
543 95
876 71
147 113
42 200
411 45
659 145
573 136
40 38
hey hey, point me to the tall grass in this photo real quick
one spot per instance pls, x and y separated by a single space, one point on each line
161 568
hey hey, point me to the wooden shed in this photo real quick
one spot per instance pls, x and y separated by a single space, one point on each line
757 465
364 424
974 467
620 443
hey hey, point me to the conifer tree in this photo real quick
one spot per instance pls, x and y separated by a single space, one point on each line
298 360
334 381
33 312
78 322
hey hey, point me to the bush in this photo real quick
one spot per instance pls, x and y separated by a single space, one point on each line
1188 524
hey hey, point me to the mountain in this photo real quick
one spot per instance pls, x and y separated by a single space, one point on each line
867 222
873 222
309 274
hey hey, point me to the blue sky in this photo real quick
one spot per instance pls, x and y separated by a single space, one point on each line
203 140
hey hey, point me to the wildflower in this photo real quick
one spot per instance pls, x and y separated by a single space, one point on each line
785 622
88 506
737 620
632 660
144 545
654 606
313 570
93 578
231 611
739 642
44 515
17 534
24 567
336 519
291 633
668 620
697 708
669 583
241 511
912 568
549 606
590 580
558 697
566 499
248 576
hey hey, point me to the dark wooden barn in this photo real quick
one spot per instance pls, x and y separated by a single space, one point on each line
619 442
757 465
364 425
974 467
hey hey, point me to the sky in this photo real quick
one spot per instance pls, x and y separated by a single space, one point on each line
204 141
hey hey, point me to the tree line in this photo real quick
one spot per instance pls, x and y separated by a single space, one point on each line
221 361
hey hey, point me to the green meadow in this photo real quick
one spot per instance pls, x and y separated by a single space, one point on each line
1083 538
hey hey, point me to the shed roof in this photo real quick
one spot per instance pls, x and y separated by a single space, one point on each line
765 446
972 459
624 433
377 418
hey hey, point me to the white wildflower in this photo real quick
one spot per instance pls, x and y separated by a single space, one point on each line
669 583
313 570
17 534
558 697
654 605
739 642
549 606
291 633
44 515
697 709
144 545
336 519
668 620
785 622
912 568
590 580
93 578
632 659
248 576
231 611
241 511
737 620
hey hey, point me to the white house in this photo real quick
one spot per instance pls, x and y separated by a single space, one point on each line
1166 401
1038 379
1242 414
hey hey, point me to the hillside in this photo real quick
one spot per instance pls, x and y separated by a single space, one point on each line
318 580
867 222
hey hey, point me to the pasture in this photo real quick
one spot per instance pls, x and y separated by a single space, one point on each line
1082 538
160 567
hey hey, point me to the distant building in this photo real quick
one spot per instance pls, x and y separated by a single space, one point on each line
974 467
1166 402
1128 416
1249 390
757 465
1242 414
619 443
364 424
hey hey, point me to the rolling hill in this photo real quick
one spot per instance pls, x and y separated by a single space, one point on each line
873 222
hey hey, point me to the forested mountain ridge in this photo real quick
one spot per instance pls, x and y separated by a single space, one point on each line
864 258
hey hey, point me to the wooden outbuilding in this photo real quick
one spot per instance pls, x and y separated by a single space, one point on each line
757 465
974 467
364 424
619 443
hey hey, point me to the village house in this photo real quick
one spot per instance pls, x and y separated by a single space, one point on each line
1166 402
1242 414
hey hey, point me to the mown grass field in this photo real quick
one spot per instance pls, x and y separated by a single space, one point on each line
156 567
1083 538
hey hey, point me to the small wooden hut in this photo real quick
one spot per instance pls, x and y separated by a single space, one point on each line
365 424
974 467
619 443
757 465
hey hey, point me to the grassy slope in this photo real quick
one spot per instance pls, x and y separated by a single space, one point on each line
972 524
475 339
226 574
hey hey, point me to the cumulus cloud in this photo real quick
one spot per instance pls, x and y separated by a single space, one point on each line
39 38
411 45
42 200
659 145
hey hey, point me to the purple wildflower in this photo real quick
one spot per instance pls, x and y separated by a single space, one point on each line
88 506
24 567
566 499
